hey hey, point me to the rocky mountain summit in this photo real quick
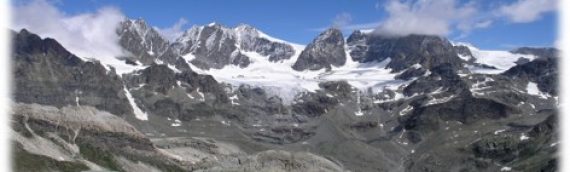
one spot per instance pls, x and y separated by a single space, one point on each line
325 51
428 51
237 99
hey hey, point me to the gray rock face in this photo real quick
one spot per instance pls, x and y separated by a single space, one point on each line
185 95
46 73
214 46
325 51
250 39
143 42
146 46
428 51
543 71
464 51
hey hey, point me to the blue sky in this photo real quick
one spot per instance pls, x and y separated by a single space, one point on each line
483 23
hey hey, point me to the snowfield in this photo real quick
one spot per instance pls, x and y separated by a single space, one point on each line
502 60
279 78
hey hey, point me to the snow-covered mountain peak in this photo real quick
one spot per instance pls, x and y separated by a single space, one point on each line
246 32
329 33
214 24
139 26
245 27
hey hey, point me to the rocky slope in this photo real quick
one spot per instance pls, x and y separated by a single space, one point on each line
227 99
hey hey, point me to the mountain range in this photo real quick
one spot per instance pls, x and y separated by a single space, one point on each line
236 99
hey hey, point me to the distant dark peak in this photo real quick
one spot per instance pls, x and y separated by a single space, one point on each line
32 43
356 37
25 32
522 60
404 52
325 50
545 52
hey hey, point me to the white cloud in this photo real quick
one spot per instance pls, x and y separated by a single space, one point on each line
175 31
341 20
525 11
361 26
429 17
558 43
351 27
90 35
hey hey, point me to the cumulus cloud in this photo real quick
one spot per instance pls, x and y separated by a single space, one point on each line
429 17
525 11
175 31
91 35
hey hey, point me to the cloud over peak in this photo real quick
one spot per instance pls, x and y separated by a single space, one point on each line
174 31
90 35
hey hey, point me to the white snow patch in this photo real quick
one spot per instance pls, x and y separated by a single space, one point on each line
532 106
440 100
499 131
233 99
358 113
190 96
172 67
406 110
464 57
524 137
506 169
502 60
202 97
139 114
532 89
176 123
478 87
416 66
